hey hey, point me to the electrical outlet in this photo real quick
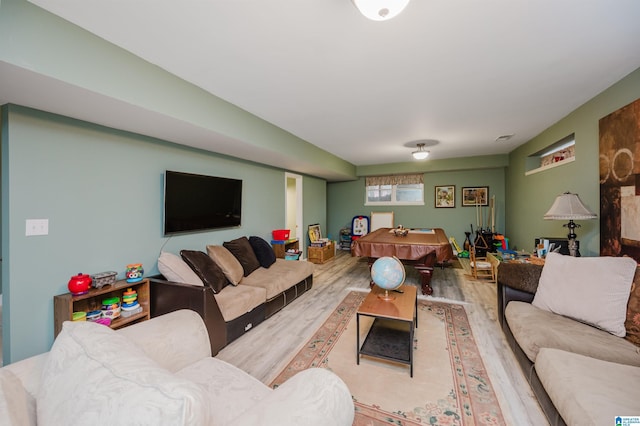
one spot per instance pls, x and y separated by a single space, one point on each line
37 227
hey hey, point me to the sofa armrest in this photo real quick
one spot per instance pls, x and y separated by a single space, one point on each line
168 296
313 397
520 276
516 281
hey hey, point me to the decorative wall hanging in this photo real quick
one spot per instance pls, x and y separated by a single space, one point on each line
620 182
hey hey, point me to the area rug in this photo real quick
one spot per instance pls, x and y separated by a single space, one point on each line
450 385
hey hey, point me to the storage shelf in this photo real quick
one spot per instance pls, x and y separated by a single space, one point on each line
550 166
65 304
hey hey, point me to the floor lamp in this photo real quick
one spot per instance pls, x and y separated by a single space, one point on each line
568 206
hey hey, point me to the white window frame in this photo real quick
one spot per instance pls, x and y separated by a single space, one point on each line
394 201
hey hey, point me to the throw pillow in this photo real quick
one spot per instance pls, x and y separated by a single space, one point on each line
208 271
173 268
263 250
242 250
230 266
593 290
632 324
94 375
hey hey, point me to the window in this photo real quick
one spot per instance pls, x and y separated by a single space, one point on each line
394 190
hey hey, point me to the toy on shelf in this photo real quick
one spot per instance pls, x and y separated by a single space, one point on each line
134 272
130 305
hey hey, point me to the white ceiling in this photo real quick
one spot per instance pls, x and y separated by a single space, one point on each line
461 72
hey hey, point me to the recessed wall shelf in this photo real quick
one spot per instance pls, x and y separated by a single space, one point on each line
552 156
550 166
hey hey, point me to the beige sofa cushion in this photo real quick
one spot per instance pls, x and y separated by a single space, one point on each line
594 290
227 262
235 301
281 276
173 268
587 391
16 407
227 402
535 328
94 375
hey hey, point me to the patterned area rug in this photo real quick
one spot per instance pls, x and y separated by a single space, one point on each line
450 385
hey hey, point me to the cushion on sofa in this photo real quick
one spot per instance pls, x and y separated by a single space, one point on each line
235 301
587 391
230 266
206 269
243 251
594 290
226 401
263 250
173 268
94 375
16 407
282 275
632 323
535 328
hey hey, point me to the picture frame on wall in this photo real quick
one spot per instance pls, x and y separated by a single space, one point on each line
445 196
473 196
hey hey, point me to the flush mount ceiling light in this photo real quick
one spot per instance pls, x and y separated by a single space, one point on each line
380 10
420 154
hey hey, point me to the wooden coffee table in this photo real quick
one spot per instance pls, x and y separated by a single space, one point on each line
391 334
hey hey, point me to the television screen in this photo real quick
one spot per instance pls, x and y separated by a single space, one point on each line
196 202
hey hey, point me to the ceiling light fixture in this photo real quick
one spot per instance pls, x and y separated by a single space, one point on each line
380 10
420 154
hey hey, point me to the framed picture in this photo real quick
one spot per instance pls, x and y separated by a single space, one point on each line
475 196
315 233
445 196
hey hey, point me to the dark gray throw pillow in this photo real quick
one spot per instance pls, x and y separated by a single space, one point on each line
263 250
205 268
242 251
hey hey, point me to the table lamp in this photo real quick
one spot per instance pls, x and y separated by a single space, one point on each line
569 206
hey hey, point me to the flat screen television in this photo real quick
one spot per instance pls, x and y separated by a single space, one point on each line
195 202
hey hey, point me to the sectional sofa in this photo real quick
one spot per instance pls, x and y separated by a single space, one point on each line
158 372
233 286
574 327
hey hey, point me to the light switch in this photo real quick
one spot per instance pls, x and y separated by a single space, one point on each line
37 227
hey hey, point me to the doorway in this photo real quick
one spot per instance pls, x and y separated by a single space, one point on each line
293 208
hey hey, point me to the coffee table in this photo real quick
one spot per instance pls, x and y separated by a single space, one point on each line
391 334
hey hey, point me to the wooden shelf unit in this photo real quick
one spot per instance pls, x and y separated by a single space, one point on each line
280 248
64 305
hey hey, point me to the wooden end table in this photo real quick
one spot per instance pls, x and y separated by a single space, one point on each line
391 334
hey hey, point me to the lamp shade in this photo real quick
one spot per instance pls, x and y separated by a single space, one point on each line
380 10
569 206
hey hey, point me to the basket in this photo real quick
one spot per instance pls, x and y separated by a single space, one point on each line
292 256
281 234
103 278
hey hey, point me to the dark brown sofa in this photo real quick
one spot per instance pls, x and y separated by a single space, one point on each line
167 296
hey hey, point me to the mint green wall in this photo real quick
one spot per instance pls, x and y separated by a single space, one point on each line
315 206
101 190
529 197
346 200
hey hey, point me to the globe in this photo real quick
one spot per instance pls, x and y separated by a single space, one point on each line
387 273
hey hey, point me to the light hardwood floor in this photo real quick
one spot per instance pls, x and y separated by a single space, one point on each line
265 350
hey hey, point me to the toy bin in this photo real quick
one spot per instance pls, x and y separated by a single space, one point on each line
280 234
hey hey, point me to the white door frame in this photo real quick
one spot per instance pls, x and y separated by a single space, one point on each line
298 215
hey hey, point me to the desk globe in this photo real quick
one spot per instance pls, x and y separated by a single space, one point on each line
388 273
